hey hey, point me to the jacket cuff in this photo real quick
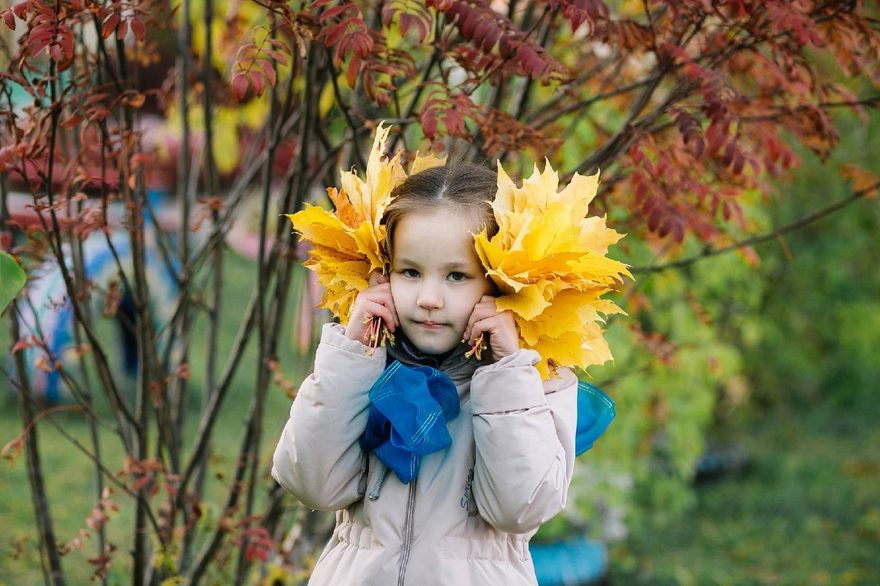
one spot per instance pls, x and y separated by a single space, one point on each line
511 384
333 335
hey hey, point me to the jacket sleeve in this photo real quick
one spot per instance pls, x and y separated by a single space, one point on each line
318 457
524 431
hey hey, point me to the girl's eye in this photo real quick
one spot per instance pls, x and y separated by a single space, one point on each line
410 273
456 277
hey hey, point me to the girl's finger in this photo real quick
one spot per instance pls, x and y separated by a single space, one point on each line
381 294
503 339
374 309
482 326
481 311
387 300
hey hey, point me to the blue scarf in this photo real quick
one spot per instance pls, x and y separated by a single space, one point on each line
410 407
595 410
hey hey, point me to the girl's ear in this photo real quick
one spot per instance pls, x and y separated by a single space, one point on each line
378 278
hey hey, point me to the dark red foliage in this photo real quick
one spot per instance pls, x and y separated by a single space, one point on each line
578 12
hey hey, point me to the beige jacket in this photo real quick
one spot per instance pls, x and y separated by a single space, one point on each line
468 516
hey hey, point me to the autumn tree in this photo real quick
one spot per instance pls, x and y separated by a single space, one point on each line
691 109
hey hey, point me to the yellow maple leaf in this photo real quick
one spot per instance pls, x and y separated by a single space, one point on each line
349 243
548 260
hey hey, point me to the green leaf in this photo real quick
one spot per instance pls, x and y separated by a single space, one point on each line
12 279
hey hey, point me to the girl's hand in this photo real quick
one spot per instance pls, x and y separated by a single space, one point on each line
499 327
374 301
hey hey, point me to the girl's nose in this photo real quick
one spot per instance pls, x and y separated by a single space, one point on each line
430 297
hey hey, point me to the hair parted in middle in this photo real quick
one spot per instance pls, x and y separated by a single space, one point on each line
465 188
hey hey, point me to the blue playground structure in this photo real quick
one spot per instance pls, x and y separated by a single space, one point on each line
48 311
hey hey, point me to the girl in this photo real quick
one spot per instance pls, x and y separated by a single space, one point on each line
462 514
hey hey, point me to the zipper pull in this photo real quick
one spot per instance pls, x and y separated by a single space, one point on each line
383 472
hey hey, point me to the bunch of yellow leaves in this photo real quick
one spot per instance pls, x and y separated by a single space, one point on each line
349 243
548 259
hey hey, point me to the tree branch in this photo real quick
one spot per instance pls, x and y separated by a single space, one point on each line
759 238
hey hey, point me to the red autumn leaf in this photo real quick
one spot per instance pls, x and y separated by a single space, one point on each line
665 226
351 72
39 39
334 12
467 22
490 38
749 255
65 40
122 29
170 488
650 203
333 34
739 161
258 82
678 232
109 24
278 56
654 219
56 52
861 179
429 123
71 121
240 85
725 210
507 46
454 122
140 482
356 41
138 28
20 345
481 29
716 137
269 70
9 19
13 448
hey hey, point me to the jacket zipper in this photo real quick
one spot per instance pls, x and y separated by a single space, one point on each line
407 532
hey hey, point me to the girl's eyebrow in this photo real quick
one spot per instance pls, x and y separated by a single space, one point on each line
454 265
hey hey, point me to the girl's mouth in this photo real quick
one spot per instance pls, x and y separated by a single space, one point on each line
430 325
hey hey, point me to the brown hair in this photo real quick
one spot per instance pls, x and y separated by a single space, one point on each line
465 188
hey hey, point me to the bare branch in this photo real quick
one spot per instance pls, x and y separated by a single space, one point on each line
51 562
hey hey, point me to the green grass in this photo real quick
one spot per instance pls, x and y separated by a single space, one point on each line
807 511
70 474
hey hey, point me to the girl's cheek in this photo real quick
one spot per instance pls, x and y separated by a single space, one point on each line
398 291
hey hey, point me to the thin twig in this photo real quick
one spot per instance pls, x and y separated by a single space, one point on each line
759 238
345 112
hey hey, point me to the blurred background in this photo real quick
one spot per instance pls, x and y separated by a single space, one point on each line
149 148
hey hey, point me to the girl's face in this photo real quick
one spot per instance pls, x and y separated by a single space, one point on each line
436 278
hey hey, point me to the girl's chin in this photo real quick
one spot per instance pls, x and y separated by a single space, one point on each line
433 347
432 341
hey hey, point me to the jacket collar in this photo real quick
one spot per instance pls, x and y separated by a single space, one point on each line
453 364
